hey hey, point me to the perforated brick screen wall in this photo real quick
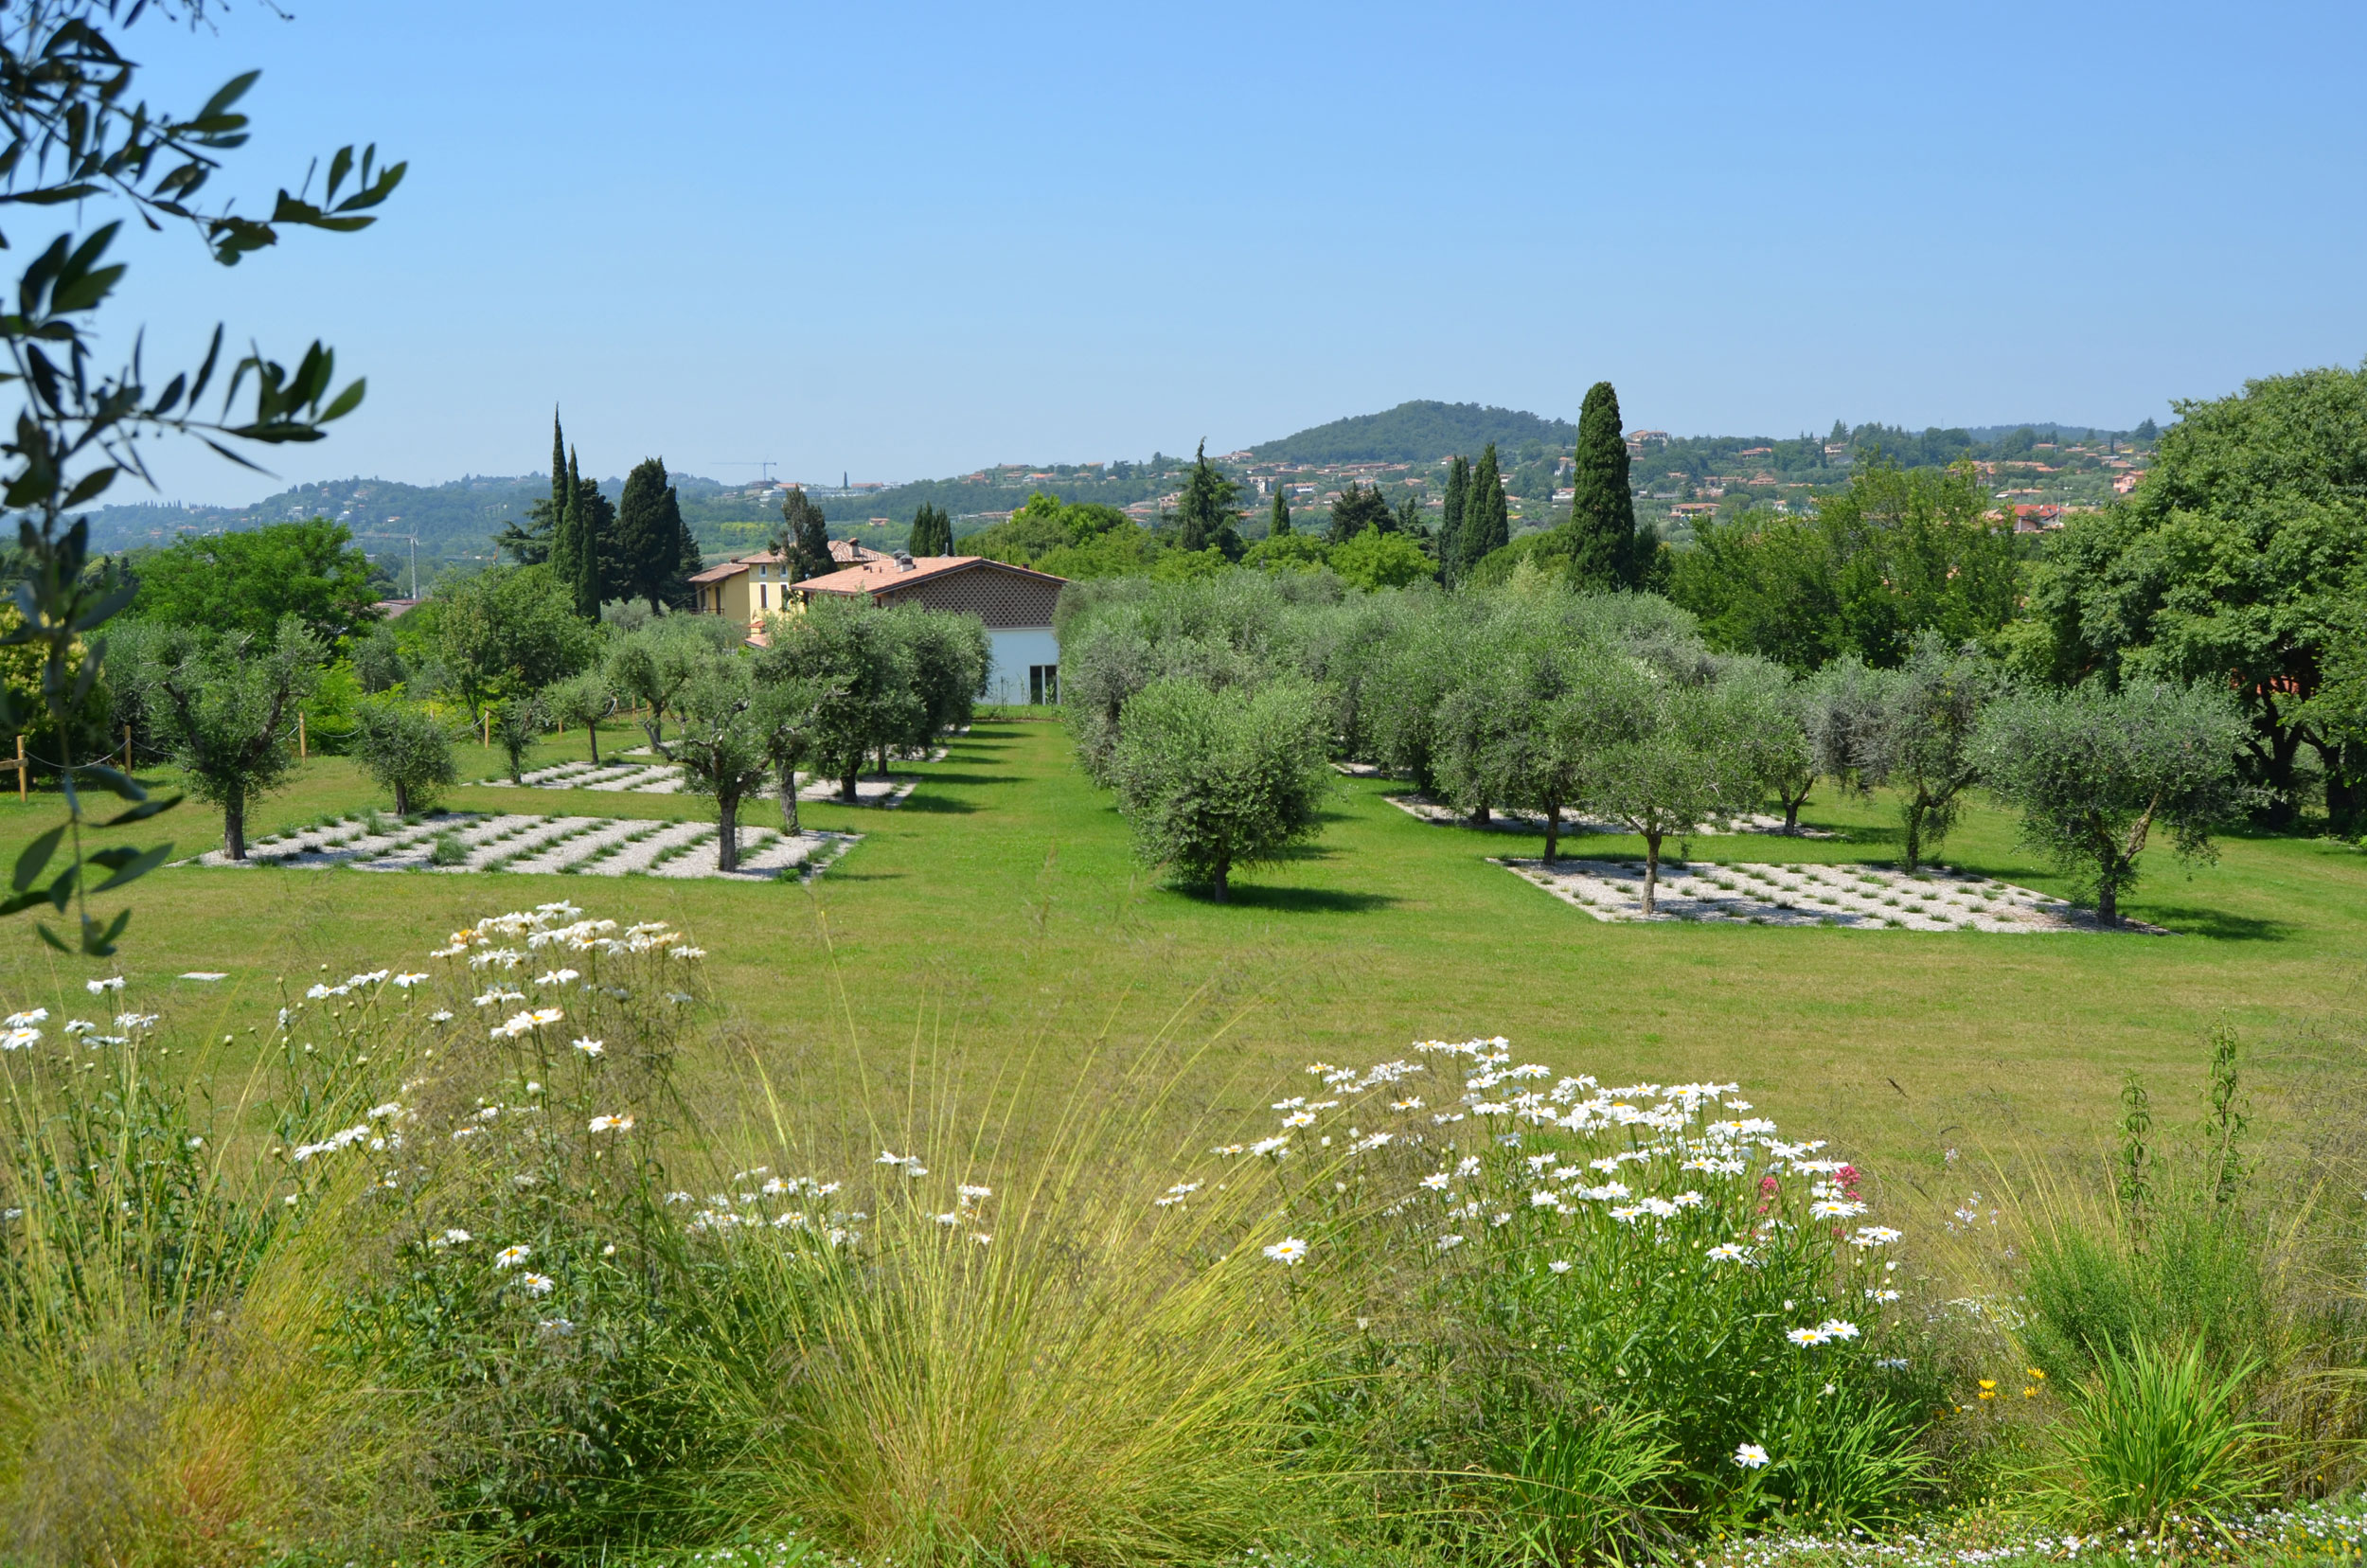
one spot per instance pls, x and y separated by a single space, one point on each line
1001 599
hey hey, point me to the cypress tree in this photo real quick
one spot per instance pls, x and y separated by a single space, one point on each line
1206 514
580 526
1278 523
1451 526
1602 513
1486 522
933 532
647 535
559 472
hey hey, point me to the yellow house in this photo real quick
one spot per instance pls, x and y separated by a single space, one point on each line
753 587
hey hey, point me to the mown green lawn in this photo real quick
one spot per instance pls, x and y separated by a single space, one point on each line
997 919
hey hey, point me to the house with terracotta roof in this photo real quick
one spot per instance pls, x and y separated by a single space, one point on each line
751 587
1016 604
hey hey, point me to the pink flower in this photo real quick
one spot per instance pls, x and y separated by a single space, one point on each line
1768 1183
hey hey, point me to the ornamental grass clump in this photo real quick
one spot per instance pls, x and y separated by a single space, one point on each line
1637 1300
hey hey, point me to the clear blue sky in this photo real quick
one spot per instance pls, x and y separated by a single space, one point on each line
902 240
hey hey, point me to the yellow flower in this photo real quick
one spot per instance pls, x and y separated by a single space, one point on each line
1988 1382
1988 1393
2030 1393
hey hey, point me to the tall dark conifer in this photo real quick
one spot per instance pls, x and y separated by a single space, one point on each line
649 534
1205 516
1278 522
1451 526
933 532
586 526
1602 512
804 541
1486 521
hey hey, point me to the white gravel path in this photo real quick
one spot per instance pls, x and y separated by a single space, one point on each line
1853 898
518 842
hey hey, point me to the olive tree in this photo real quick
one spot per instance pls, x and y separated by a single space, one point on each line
584 697
515 721
1504 734
1776 734
406 750
788 710
1210 780
721 745
2094 771
1920 739
869 701
226 712
652 665
1660 754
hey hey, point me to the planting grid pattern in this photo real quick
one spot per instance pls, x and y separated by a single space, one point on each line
666 778
1853 898
572 845
1445 815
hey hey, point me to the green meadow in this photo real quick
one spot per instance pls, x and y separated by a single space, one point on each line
997 919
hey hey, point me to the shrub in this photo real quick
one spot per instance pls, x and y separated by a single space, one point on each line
1213 780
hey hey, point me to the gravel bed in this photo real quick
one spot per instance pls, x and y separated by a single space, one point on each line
1422 806
1851 898
582 845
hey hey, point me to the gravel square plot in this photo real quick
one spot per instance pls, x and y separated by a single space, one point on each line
1851 898
567 845
1422 806
666 778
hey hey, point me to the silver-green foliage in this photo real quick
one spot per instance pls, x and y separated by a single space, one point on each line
406 750
2094 771
226 712
1212 781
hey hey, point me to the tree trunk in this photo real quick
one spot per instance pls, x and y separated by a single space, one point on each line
402 798
727 833
847 785
593 729
2108 901
1225 870
789 800
1651 874
1479 815
1911 818
234 828
1553 832
1791 813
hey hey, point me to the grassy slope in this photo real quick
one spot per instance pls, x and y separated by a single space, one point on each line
1000 908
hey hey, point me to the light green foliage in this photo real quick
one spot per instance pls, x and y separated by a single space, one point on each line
1374 559
2094 771
947 654
1287 552
722 744
583 699
1075 540
247 579
1778 713
1922 738
1510 731
1896 554
378 661
788 714
2235 561
406 750
226 712
507 630
1212 781
2153 1434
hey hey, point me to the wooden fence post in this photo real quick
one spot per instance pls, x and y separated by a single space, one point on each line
20 768
127 748
488 729
301 752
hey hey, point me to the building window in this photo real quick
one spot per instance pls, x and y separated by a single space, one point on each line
1043 683
761 596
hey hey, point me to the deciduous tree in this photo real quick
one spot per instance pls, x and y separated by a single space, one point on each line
507 630
247 579
803 539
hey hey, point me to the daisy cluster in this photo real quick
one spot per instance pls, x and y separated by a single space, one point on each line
560 926
22 1030
747 1208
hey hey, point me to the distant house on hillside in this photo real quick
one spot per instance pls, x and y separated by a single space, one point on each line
1023 664
750 587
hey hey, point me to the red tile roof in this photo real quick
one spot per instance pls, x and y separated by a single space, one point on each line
874 577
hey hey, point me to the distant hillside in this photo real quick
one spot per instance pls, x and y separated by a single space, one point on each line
1420 432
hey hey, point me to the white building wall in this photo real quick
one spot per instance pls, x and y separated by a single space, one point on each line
1014 649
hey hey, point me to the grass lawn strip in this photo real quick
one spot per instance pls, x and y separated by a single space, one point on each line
1418 805
1851 898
